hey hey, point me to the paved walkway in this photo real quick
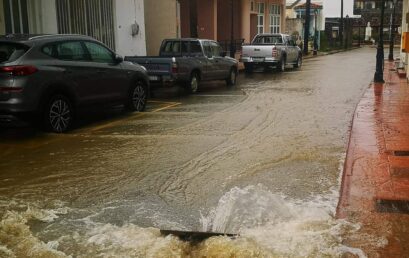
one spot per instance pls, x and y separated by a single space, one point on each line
375 186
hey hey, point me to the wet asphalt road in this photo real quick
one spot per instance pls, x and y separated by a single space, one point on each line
222 160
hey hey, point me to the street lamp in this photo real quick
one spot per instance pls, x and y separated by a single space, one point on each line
341 24
315 33
391 32
346 31
232 46
307 25
379 53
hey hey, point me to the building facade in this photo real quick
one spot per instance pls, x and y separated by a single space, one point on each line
223 19
405 28
162 20
370 11
120 24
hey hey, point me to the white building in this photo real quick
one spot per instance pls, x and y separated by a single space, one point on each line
117 23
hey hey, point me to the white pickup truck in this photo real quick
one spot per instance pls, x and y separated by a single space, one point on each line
268 50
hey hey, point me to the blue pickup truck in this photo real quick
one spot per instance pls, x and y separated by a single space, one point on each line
187 62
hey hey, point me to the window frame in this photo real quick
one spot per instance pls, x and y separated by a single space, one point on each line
275 18
260 26
101 45
56 56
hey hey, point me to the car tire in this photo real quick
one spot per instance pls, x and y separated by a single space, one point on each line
193 85
231 81
58 114
248 68
299 62
281 65
137 97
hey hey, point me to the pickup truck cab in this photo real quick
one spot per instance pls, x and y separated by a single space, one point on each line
187 62
268 50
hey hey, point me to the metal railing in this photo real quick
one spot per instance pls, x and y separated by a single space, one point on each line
94 18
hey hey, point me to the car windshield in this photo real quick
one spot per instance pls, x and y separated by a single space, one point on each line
10 52
266 40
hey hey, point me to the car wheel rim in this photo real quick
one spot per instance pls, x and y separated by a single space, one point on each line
194 84
139 97
233 77
60 115
299 62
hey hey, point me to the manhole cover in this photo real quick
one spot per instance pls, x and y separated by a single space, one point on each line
392 206
401 153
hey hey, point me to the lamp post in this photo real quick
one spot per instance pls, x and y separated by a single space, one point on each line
391 32
307 26
359 32
232 46
379 53
341 25
315 33
346 31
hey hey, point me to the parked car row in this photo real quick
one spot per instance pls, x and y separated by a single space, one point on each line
51 77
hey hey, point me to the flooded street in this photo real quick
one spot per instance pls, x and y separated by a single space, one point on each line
262 160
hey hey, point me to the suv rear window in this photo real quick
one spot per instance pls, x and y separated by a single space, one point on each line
10 52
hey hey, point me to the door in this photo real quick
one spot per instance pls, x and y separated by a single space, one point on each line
209 64
111 79
74 62
292 52
221 64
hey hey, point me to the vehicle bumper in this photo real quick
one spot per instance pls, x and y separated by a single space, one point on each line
159 81
260 60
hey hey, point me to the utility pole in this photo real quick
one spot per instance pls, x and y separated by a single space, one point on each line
379 53
307 25
232 47
341 25
391 32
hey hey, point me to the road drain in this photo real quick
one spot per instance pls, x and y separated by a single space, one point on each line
401 153
392 206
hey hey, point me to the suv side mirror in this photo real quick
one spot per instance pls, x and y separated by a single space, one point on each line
118 59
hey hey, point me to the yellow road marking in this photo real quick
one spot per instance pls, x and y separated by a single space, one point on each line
113 123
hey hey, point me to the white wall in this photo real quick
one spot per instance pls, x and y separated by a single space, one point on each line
42 16
128 12
332 8
404 28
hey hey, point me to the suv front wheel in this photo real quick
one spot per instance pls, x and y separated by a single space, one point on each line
58 114
137 97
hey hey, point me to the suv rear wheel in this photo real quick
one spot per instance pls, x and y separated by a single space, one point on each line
58 114
137 97
281 65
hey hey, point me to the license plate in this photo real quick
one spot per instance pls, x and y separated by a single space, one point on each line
154 78
258 59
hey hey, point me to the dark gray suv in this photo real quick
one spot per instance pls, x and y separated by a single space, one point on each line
50 76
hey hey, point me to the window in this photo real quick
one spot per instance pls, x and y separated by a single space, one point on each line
10 52
171 48
207 49
70 51
98 53
195 48
15 16
260 18
185 48
93 18
216 49
266 40
275 18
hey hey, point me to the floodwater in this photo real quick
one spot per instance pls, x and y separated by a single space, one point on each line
262 160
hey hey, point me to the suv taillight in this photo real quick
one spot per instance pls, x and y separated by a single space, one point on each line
274 52
19 70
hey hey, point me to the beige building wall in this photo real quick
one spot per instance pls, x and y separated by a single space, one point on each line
2 23
161 21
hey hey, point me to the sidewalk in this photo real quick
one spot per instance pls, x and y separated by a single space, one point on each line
375 183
